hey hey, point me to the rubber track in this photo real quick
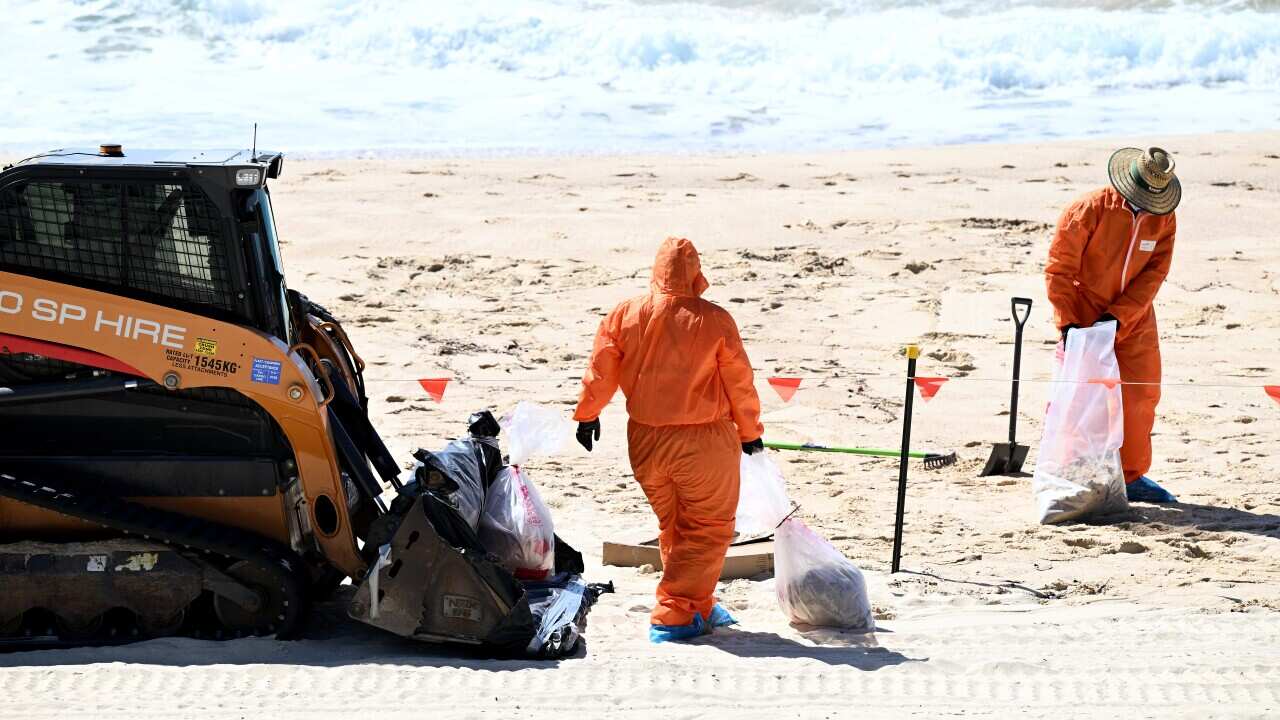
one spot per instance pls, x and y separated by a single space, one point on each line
181 532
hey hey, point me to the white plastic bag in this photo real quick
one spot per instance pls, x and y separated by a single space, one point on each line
762 498
1078 470
815 584
535 430
516 526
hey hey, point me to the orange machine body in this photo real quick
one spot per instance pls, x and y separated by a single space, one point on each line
181 350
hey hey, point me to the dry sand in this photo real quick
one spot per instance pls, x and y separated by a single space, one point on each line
495 273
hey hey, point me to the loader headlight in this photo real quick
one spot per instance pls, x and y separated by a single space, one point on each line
248 176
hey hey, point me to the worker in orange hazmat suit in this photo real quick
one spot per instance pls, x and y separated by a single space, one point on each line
1107 261
693 410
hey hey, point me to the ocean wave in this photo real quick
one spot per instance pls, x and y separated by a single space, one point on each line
526 72
1023 47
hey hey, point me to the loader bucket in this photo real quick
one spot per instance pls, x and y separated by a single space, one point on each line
435 582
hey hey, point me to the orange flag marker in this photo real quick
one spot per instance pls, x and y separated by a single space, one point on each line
434 387
929 386
785 387
1273 391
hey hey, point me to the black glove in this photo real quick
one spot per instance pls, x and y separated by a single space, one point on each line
588 431
1108 318
1068 329
753 447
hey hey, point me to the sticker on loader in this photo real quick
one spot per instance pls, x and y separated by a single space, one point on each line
205 346
139 562
462 608
266 371
201 363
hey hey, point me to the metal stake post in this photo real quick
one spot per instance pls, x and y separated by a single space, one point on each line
913 353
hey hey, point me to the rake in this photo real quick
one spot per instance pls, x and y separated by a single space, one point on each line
932 461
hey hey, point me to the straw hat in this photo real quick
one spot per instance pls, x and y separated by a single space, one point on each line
1145 178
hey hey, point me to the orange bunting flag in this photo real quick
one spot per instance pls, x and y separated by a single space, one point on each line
1273 391
1111 383
785 387
929 386
434 387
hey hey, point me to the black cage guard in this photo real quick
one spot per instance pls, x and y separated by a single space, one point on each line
163 240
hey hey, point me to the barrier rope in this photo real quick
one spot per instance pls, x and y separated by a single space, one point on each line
860 376
826 378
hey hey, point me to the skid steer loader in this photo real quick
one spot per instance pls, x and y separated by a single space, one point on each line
185 446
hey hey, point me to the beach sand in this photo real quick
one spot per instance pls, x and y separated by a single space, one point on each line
495 272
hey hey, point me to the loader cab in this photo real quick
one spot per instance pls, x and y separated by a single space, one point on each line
187 229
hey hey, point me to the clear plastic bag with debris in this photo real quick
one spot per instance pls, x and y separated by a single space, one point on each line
1078 471
762 497
815 584
516 526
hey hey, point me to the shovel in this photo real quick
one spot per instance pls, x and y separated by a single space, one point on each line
1007 458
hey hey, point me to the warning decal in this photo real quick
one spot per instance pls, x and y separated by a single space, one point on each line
266 371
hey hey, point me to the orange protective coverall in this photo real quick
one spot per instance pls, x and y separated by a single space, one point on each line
1105 259
692 401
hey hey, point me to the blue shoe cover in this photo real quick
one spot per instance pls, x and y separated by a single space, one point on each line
1146 490
721 617
668 633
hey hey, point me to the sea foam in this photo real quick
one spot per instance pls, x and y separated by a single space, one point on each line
570 76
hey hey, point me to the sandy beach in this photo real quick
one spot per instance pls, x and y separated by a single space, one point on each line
495 273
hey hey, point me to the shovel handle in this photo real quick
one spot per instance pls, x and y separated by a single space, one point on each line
1025 304
1020 320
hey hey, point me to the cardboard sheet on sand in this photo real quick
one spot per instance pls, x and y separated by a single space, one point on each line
747 557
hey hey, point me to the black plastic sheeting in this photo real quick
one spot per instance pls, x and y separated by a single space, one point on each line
546 618
463 471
